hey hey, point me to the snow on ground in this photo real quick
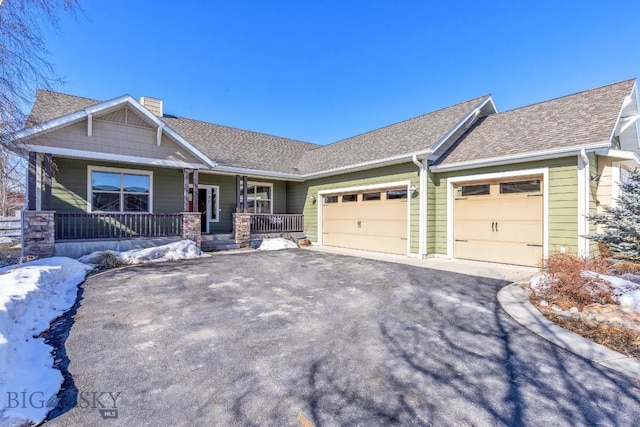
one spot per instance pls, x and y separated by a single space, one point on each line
276 244
184 249
31 296
624 289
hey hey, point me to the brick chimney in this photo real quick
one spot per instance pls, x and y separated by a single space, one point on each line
152 104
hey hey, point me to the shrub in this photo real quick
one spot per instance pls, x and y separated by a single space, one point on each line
566 283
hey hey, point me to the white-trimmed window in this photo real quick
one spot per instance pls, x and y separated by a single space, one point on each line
119 190
259 197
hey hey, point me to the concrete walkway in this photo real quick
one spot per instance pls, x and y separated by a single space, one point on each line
514 299
509 273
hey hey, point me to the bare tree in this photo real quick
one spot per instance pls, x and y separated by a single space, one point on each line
23 68
23 55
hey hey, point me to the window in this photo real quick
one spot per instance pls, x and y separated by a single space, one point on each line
119 190
349 198
371 196
531 186
396 194
259 197
331 199
474 190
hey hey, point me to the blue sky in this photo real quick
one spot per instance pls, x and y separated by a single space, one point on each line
321 71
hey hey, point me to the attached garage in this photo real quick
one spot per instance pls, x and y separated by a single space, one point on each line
500 220
373 220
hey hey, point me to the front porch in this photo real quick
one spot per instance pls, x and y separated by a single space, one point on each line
104 202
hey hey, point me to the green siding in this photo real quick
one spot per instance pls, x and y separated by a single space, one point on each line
299 195
69 185
69 190
562 197
593 199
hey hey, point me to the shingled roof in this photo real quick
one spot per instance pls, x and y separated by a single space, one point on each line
51 105
406 137
575 120
234 147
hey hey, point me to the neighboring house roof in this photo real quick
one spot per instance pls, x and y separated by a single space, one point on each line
239 148
418 134
582 119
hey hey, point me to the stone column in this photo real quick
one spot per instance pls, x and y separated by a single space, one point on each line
242 228
38 234
191 227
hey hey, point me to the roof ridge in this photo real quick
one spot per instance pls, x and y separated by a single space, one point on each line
565 96
240 129
409 119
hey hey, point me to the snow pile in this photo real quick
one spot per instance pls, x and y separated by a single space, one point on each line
184 249
276 244
626 292
624 289
31 296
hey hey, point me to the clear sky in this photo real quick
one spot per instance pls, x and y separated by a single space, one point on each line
321 71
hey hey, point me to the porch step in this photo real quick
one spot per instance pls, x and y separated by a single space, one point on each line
215 237
212 245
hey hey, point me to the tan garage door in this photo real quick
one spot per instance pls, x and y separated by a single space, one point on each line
500 221
373 220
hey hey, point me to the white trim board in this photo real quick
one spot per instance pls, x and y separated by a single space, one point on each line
493 176
321 193
93 155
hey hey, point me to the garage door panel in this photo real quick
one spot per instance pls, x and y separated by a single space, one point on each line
374 225
470 229
384 227
388 244
496 227
521 231
502 252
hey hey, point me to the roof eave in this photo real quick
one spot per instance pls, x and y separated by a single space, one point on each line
520 158
232 170
368 165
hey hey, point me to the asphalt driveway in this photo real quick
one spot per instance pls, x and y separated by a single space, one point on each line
299 338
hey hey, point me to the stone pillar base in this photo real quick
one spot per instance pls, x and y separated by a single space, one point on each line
38 234
191 227
242 228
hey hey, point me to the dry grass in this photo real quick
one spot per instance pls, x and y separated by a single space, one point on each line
9 254
619 339
565 285
626 268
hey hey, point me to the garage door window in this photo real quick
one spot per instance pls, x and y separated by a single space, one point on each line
532 186
474 190
371 196
331 199
349 198
396 194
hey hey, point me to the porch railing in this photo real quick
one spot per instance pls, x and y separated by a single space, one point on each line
76 226
276 223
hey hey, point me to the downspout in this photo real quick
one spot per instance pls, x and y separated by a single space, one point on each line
422 194
583 204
